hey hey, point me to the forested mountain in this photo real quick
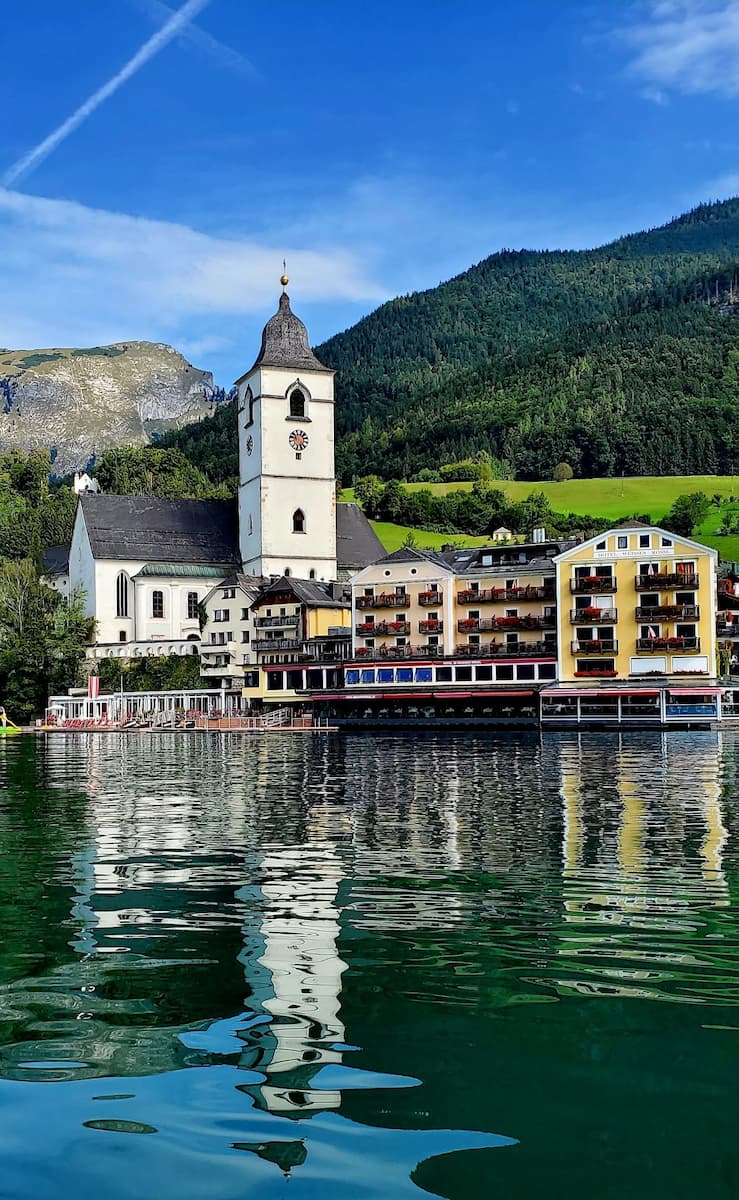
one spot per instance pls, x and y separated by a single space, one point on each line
624 358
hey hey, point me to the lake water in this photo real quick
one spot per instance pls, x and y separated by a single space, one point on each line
371 967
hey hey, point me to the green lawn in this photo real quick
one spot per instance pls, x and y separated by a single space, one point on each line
611 498
393 537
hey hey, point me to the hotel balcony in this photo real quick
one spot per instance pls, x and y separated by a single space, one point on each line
669 612
397 652
384 600
594 646
660 644
650 583
727 629
266 645
276 622
506 650
594 584
491 595
594 616
429 599
430 626
596 673
383 628
488 624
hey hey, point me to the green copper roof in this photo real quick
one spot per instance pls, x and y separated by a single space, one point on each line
184 570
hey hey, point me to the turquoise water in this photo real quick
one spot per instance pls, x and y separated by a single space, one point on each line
368 967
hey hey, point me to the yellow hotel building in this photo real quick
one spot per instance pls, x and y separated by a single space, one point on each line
636 601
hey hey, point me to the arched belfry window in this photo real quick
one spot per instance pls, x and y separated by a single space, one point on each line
297 403
121 595
298 521
249 406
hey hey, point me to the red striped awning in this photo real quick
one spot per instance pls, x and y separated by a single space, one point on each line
598 695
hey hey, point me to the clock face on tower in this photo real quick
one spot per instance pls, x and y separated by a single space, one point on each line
298 439
249 444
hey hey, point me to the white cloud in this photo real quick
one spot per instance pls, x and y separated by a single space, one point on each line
74 275
688 46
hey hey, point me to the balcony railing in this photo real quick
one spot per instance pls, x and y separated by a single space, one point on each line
428 599
384 600
594 616
596 673
383 628
276 622
506 650
594 646
269 644
652 645
594 583
491 595
648 583
430 626
395 652
488 624
670 612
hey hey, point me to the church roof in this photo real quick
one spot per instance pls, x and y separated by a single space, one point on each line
285 341
179 534
357 544
161 531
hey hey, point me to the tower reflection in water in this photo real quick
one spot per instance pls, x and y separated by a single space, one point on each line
294 972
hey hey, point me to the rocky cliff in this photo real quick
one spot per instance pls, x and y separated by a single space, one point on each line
77 403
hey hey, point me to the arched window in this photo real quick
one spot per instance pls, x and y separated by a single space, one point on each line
249 406
286 572
121 595
297 403
312 573
298 521
157 604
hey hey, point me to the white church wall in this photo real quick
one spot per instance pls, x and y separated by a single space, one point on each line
82 564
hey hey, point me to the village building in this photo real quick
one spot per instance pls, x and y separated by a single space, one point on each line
165 577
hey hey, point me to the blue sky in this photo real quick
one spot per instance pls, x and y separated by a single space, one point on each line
380 145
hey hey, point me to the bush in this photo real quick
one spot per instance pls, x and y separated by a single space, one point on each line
562 472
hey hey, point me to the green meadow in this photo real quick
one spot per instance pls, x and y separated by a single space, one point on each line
611 498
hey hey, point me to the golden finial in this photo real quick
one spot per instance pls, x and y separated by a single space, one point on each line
283 277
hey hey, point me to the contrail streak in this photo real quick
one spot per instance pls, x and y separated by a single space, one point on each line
157 42
198 37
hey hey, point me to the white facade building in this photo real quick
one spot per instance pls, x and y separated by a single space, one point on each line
287 483
145 566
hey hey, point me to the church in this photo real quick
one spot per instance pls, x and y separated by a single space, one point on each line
150 567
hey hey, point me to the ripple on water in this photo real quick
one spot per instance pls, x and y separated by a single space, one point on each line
295 957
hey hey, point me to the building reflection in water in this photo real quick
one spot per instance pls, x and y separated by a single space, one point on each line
642 863
595 857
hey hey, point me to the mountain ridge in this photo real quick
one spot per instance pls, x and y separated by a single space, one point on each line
78 402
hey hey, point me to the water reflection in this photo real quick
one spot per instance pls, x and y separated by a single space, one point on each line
329 929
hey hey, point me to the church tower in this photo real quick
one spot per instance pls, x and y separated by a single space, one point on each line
287 482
